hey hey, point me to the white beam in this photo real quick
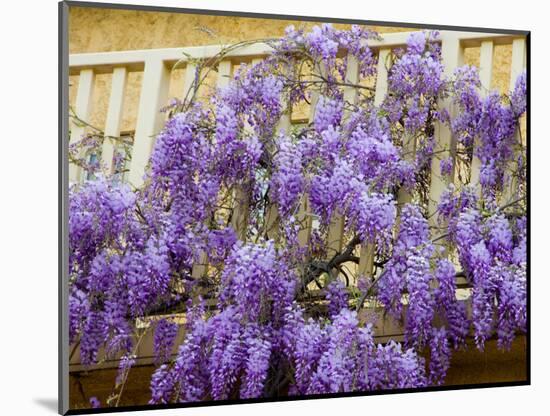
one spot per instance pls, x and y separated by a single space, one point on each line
452 54
82 109
519 60
114 116
154 93
381 77
485 77
518 65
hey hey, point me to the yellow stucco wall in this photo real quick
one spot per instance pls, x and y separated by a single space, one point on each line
101 30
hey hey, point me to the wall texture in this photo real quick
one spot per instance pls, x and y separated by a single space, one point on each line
101 30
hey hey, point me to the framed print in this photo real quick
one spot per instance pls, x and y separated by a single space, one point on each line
268 208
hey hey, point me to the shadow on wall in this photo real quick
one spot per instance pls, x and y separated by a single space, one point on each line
49 404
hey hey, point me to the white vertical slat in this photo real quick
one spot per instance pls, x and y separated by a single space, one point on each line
336 227
519 60
366 256
83 108
271 220
314 99
486 65
114 116
485 77
224 74
272 213
409 143
518 65
409 149
282 127
452 54
188 79
304 217
200 268
239 218
381 76
154 93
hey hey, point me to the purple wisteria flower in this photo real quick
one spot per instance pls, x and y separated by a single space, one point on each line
328 113
374 216
95 403
439 356
446 166
336 296
412 240
163 341
257 364
287 181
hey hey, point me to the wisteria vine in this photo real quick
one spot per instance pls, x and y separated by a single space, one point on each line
268 314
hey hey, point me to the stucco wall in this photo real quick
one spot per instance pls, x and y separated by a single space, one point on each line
101 30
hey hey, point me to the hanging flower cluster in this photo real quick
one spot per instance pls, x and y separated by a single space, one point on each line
487 125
